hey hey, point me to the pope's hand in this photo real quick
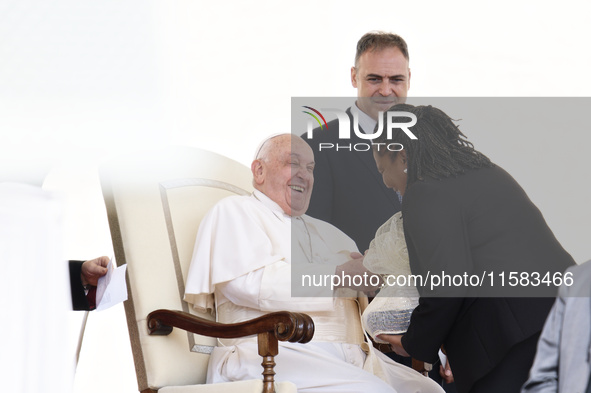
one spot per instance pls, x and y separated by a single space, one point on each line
358 273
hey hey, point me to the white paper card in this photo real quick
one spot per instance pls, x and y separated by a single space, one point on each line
111 288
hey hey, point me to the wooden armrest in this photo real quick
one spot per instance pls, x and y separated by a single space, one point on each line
270 328
286 326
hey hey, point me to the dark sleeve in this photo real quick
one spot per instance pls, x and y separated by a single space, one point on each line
436 232
321 202
430 324
79 301
437 241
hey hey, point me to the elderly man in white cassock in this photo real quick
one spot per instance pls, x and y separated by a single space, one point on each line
243 255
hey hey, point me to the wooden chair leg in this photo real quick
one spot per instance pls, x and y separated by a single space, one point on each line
268 349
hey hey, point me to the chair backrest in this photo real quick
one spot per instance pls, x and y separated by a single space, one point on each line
155 203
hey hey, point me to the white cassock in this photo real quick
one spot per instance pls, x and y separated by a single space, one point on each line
243 255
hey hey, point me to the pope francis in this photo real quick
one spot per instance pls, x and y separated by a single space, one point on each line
245 250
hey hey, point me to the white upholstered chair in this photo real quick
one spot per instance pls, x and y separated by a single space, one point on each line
155 203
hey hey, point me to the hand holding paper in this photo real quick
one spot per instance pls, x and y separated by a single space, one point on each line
111 288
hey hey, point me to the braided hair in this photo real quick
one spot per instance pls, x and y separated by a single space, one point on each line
441 150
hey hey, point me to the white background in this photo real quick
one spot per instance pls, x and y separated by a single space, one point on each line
80 80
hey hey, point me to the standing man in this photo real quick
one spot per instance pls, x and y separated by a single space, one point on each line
349 192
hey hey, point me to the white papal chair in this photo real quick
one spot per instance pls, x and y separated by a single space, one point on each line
155 203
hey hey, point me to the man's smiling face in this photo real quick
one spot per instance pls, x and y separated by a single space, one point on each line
382 79
287 174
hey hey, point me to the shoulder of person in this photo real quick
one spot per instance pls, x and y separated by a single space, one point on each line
232 205
321 224
431 188
232 201
581 280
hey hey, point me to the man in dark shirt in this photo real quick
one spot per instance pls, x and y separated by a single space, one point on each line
348 191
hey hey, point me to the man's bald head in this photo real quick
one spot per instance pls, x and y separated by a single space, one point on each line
283 171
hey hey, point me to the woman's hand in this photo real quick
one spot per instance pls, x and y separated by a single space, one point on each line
446 373
395 341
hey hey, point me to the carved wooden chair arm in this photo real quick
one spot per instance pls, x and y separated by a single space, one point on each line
286 326
270 328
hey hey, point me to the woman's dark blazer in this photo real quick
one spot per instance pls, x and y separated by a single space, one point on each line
476 223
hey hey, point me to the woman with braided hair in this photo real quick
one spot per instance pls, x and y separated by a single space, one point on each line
464 216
